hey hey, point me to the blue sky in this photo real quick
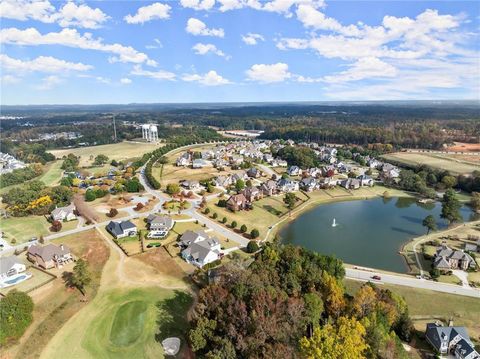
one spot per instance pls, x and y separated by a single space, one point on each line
238 50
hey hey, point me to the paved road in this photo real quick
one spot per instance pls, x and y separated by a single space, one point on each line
364 276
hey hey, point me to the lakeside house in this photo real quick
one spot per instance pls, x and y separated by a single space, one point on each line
308 184
10 266
451 341
121 229
252 194
446 259
350 183
66 213
202 252
49 256
269 188
287 185
365 180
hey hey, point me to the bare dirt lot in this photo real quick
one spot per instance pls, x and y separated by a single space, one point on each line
464 147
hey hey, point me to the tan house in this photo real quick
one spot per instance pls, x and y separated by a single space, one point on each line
447 258
49 256
252 194
237 202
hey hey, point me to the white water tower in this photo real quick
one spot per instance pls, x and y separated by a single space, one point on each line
150 133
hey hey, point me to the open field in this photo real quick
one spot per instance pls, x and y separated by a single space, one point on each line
129 323
464 147
438 161
54 303
426 306
118 151
24 228
52 174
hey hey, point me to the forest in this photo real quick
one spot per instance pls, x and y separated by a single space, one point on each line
289 303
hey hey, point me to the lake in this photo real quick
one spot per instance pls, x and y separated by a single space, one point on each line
368 233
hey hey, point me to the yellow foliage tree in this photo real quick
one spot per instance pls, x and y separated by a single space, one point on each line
332 295
364 301
344 340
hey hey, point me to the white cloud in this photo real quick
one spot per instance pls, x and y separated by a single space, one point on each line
157 44
252 39
211 78
70 14
311 17
204 49
125 81
157 75
278 6
49 82
364 68
198 4
268 73
148 13
199 28
41 64
72 38
9 80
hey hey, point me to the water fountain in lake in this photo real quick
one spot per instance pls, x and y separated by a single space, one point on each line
334 223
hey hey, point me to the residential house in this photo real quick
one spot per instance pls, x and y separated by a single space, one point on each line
287 185
278 162
446 258
191 185
328 182
183 160
240 175
294 171
252 194
269 188
308 184
254 172
10 266
350 183
267 157
365 180
472 247
121 229
159 223
202 252
389 172
199 163
313 172
223 181
451 340
190 237
66 213
236 160
49 256
237 202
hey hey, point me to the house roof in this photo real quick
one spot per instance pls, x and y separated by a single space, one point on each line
437 334
200 250
49 251
6 263
191 236
67 209
120 227
237 198
160 220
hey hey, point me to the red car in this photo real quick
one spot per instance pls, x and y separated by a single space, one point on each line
376 277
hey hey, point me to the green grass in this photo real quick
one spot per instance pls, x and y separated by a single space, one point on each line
24 228
129 323
53 174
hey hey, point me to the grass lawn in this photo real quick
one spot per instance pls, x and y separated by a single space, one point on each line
55 304
131 245
118 151
126 323
435 160
24 228
426 306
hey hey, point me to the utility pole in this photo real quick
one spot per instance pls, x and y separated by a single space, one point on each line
114 130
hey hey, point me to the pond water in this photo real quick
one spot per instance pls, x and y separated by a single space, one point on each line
368 232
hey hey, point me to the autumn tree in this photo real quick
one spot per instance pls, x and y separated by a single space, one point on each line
364 301
56 226
333 295
475 201
343 340
16 314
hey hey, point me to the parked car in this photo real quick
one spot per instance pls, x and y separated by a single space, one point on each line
376 277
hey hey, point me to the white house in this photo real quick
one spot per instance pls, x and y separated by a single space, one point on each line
9 266
121 229
287 185
294 171
64 213
202 252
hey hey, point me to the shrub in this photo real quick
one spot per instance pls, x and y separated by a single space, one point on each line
138 207
224 220
212 264
207 211
215 215
222 203
243 228
234 224
90 196
252 247
113 212
254 233
56 226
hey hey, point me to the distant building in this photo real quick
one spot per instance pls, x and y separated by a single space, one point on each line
150 132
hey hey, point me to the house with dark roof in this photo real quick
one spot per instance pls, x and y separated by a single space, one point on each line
121 229
190 237
446 258
308 184
269 188
365 180
49 256
450 340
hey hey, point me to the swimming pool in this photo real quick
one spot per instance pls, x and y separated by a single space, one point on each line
15 280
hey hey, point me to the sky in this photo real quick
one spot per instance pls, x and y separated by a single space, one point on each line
82 52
